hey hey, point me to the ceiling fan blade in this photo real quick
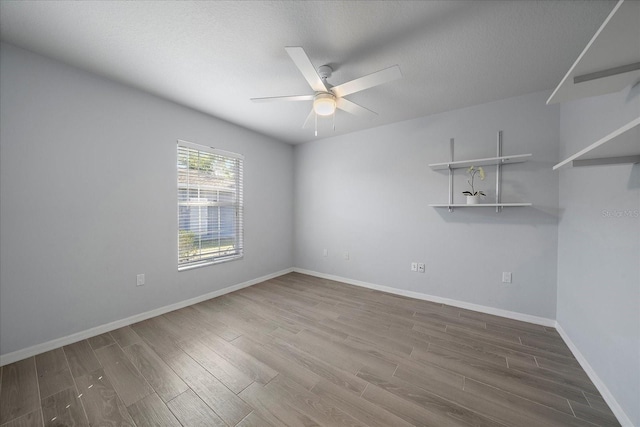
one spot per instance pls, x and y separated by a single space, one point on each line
309 119
284 98
307 69
370 80
353 108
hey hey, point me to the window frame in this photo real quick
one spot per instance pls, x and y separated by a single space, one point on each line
237 203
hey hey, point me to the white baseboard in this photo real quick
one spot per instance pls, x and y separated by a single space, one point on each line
595 379
5 359
426 297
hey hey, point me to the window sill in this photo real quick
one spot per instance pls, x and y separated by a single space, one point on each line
207 263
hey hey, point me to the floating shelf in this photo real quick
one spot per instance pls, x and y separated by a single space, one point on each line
480 205
620 146
518 158
610 61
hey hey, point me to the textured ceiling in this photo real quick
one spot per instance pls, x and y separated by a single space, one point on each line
213 55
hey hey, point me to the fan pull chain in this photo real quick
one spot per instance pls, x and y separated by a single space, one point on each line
316 115
334 120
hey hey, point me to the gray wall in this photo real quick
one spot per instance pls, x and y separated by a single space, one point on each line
599 248
88 200
368 193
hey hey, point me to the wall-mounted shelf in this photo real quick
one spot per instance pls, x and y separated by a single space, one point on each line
480 205
518 158
610 61
620 146
498 161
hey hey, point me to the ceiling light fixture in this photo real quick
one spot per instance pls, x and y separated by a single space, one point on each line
324 104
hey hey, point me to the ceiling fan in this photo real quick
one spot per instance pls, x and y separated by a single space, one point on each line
328 97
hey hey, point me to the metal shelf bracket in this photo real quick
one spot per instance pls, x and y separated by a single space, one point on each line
498 173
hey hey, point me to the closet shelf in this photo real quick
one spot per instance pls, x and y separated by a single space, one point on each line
518 158
620 146
610 61
480 205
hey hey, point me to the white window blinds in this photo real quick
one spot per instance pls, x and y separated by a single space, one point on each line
210 207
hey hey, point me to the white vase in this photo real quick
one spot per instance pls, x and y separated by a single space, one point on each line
473 200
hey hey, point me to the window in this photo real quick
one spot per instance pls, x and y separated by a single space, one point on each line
209 205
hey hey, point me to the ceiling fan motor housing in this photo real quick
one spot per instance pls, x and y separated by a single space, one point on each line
324 71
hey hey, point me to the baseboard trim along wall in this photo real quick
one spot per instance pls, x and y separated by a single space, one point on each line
5 359
617 410
426 297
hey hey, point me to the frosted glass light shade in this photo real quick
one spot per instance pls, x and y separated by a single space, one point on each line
324 104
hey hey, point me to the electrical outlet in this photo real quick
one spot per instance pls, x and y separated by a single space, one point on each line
325 252
421 267
346 256
506 277
140 280
414 266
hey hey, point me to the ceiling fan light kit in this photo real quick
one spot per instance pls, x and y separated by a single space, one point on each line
324 104
328 98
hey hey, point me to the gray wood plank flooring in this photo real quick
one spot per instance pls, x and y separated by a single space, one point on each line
302 351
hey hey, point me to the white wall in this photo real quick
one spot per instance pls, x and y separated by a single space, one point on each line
368 193
599 249
88 200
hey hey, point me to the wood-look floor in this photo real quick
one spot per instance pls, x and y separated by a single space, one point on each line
303 351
